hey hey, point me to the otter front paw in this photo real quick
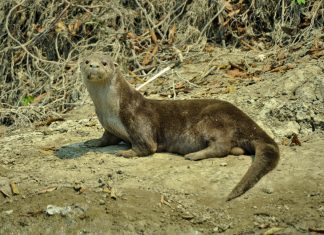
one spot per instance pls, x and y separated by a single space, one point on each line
93 143
127 153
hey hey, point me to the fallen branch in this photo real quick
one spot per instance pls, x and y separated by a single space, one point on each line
159 74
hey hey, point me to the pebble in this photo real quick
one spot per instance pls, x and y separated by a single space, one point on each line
267 190
187 216
100 181
101 202
8 212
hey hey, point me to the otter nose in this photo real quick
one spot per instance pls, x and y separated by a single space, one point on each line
94 65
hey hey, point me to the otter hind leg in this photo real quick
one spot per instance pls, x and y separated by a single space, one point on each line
237 151
137 150
106 139
212 151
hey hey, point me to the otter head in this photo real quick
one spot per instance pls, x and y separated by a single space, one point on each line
97 67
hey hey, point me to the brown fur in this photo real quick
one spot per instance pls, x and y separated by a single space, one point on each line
197 129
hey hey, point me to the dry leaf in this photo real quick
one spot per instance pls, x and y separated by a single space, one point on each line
283 68
46 190
153 37
74 27
295 140
228 6
241 30
209 48
49 148
230 89
113 194
149 55
172 34
14 188
60 27
316 51
82 190
163 201
316 230
131 35
266 67
5 194
50 120
274 230
236 73
39 98
233 13
79 189
179 85
318 54
106 190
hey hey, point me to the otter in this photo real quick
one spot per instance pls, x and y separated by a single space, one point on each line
196 128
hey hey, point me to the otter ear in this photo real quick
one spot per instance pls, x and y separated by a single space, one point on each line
115 64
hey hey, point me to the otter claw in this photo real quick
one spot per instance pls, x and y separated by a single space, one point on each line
92 143
126 153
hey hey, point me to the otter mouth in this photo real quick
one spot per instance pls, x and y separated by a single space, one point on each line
92 77
95 76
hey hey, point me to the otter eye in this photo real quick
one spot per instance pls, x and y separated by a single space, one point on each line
87 61
104 63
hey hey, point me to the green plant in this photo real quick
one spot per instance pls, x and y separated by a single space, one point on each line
299 2
27 100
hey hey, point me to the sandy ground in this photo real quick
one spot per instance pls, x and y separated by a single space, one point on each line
51 184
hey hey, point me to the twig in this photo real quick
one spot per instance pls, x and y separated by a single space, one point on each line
185 80
173 88
209 22
19 43
159 74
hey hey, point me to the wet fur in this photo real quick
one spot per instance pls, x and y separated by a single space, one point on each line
197 129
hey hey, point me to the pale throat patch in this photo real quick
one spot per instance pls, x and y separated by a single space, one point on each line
107 108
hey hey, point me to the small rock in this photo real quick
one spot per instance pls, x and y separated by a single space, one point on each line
261 57
113 194
223 164
8 212
313 194
187 216
82 133
52 210
263 226
267 190
222 228
77 188
101 202
63 130
287 129
64 211
100 181
83 121
274 230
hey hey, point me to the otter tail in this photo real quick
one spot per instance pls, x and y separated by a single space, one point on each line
266 159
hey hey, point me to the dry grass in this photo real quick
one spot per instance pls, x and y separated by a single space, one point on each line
42 40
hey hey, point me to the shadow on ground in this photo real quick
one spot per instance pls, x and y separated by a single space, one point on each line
76 150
